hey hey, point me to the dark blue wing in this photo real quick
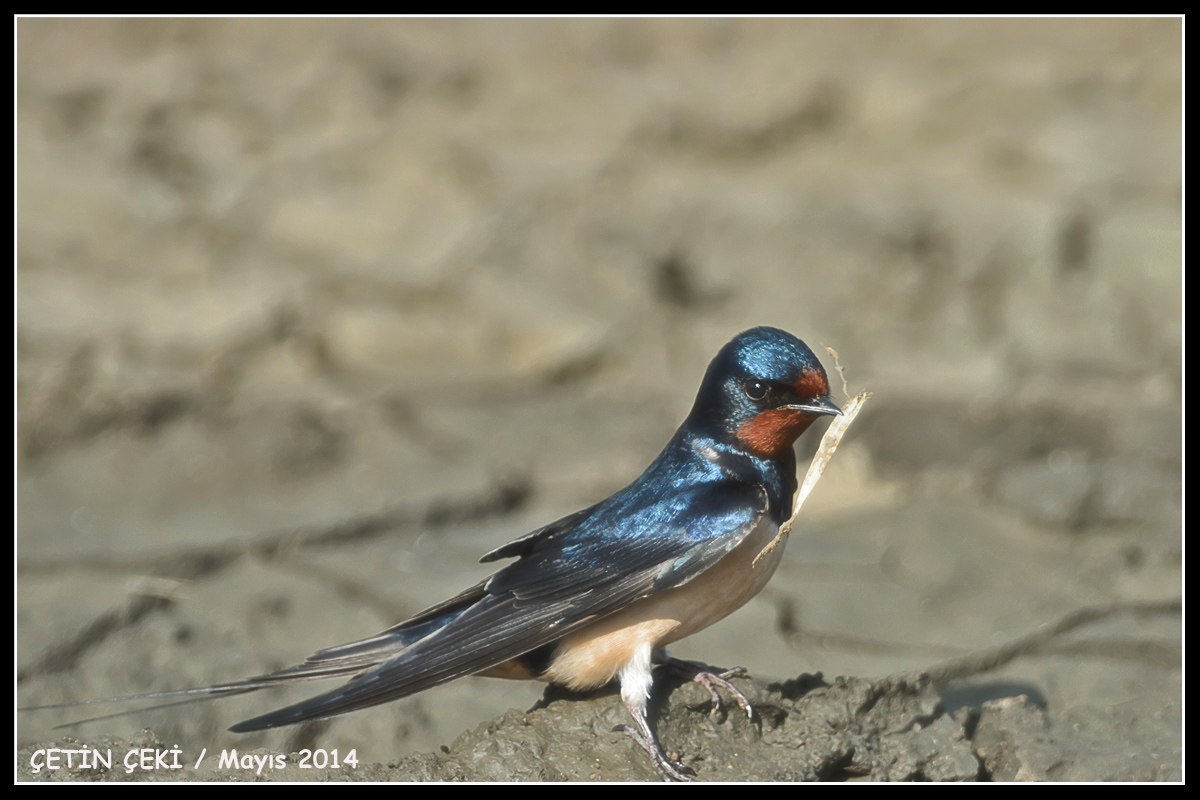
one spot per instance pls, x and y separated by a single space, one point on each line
631 546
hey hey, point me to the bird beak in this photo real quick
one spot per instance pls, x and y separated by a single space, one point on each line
819 406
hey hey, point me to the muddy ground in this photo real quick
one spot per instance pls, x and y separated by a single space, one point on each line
313 313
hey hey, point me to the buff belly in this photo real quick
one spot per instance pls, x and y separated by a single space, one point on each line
593 656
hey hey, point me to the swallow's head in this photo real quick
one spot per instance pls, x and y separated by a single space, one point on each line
762 391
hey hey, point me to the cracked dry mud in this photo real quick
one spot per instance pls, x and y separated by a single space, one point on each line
313 313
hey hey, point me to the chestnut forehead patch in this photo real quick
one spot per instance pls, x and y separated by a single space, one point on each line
812 383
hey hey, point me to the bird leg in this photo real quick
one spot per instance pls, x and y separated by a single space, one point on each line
640 732
635 691
708 677
637 677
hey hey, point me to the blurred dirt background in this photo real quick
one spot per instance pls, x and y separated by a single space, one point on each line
312 313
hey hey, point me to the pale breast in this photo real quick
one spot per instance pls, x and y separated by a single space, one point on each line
592 656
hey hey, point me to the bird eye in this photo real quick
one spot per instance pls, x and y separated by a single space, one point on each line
755 390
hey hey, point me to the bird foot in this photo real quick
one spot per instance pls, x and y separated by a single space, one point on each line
710 679
667 769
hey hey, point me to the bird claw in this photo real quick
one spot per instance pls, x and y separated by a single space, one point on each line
711 680
667 769
707 677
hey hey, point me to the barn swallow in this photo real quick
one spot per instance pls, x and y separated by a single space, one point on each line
599 594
